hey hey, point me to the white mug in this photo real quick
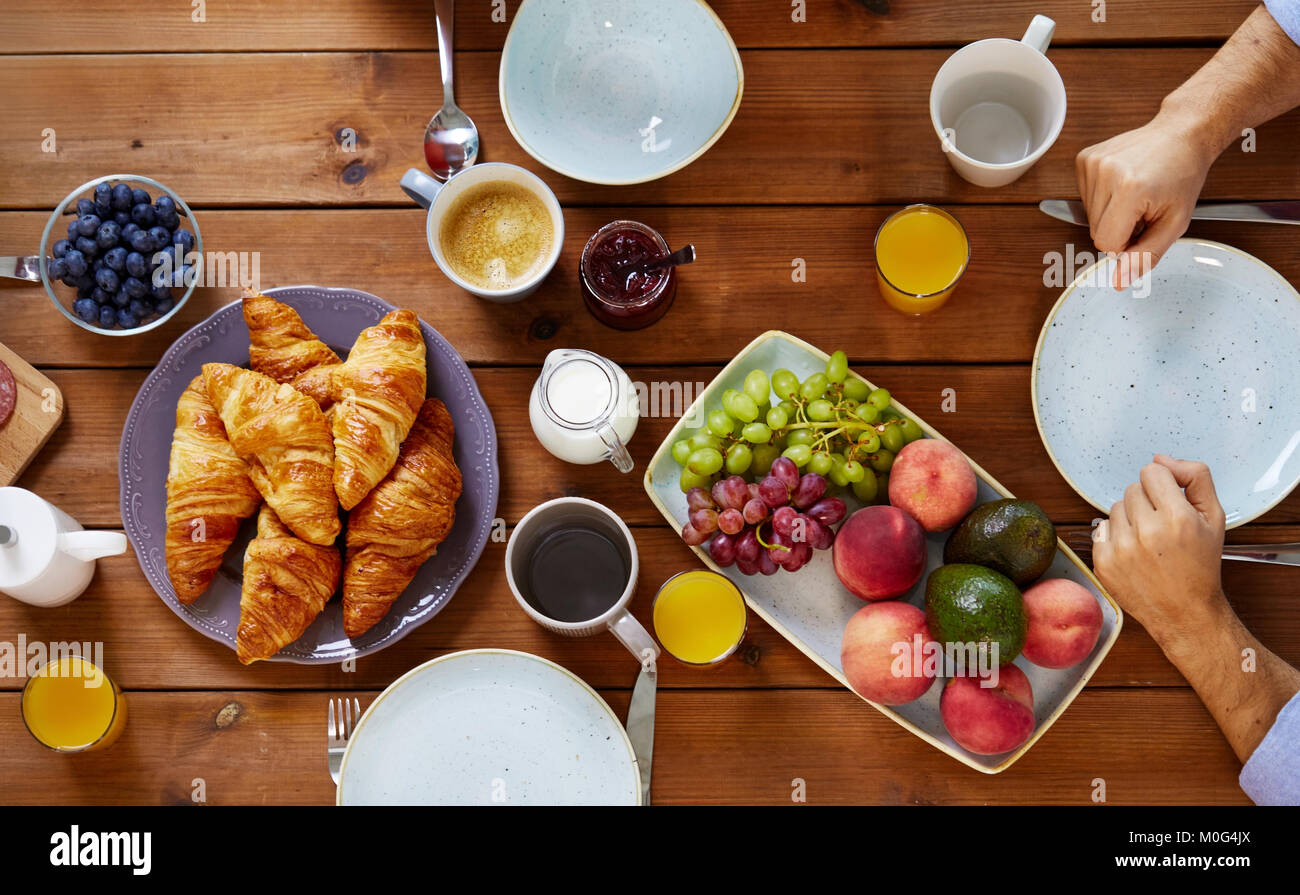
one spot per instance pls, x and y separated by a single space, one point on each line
998 105
544 519
46 558
438 198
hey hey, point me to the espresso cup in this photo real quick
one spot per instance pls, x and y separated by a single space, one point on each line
566 514
998 105
439 198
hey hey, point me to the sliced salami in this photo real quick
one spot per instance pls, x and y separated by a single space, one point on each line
8 393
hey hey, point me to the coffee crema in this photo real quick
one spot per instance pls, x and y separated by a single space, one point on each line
497 235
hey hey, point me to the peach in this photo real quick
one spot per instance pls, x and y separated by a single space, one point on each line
989 720
879 553
882 653
933 481
1064 623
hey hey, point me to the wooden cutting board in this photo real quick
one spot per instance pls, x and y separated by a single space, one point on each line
37 413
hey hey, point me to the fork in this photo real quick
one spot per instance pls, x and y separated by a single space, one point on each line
1277 554
348 713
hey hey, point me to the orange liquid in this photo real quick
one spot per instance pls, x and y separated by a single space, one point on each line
699 617
921 253
70 705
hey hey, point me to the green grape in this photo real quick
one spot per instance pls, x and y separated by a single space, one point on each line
821 410
820 463
739 458
705 439
740 405
719 422
867 412
756 433
837 367
758 387
764 456
888 415
800 436
866 489
690 480
784 383
705 461
881 460
801 454
790 408
911 431
780 443
849 405
879 398
814 387
892 437
777 417
854 471
681 451
869 440
856 389
837 473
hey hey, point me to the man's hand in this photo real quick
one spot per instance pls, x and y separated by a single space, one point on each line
1159 554
1140 189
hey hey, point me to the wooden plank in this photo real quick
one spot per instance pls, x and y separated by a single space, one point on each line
851 128
742 284
250 25
711 747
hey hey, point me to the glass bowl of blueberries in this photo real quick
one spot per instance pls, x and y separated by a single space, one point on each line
125 260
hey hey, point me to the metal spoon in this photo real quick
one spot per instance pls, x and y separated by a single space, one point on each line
21 267
684 255
451 139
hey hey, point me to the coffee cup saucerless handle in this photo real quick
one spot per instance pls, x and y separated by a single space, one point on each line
1039 34
633 635
422 188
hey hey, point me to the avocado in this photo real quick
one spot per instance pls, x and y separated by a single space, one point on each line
966 603
1013 537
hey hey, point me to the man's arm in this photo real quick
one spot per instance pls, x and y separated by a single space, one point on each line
1153 175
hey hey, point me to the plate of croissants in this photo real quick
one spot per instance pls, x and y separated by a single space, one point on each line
308 475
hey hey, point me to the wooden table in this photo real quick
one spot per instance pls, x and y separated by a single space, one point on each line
244 115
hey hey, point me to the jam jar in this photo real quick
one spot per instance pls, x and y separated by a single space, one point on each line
634 300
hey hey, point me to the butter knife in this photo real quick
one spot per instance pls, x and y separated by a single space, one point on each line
1073 212
641 723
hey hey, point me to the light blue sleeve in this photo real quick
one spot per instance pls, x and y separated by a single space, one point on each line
1272 774
1287 14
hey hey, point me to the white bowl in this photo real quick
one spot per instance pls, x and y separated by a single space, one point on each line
618 91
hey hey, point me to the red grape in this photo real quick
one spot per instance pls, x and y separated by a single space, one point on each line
752 487
765 564
811 487
731 493
731 521
692 536
705 520
773 492
747 547
723 549
699 499
779 550
816 535
828 510
755 511
747 566
784 470
783 520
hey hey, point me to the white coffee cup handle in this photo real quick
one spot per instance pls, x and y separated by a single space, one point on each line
92 545
618 454
633 635
1039 34
421 187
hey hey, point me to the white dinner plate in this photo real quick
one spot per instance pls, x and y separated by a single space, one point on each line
1204 367
487 727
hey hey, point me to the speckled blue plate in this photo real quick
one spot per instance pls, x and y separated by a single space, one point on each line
618 91
485 727
336 316
1206 367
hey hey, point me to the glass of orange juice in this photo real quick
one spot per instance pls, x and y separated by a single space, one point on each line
699 617
921 253
71 705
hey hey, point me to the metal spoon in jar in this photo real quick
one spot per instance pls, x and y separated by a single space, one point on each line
451 139
682 256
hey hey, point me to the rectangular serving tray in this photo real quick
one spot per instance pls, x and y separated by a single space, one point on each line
811 607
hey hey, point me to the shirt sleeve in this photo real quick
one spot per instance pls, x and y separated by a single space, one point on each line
1287 14
1272 773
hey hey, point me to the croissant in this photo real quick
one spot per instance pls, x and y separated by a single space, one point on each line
280 344
287 583
378 390
402 521
209 493
284 438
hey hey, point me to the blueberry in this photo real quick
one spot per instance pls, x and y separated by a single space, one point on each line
60 248
108 280
144 215
161 235
169 219
74 231
135 287
184 238
87 246
163 305
140 309
141 242
107 316
165 204
87 224
135 265
128 229
86 309
58 269
100 296
121 299
76 261
103 194
85 287
160 292
140 196
97 264
122 197
115 258
85 207
126 319
122 218
108 235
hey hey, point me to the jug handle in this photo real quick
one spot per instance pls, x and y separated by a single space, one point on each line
91 545
618 454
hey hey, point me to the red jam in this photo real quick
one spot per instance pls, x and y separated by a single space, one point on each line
632 300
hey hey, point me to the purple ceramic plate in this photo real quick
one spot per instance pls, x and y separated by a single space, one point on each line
336 316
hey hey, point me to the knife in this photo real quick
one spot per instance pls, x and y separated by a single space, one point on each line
641 723
1073 212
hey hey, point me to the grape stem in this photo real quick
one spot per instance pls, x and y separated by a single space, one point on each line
758 536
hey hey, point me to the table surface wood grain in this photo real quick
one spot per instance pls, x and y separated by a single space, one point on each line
242 115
